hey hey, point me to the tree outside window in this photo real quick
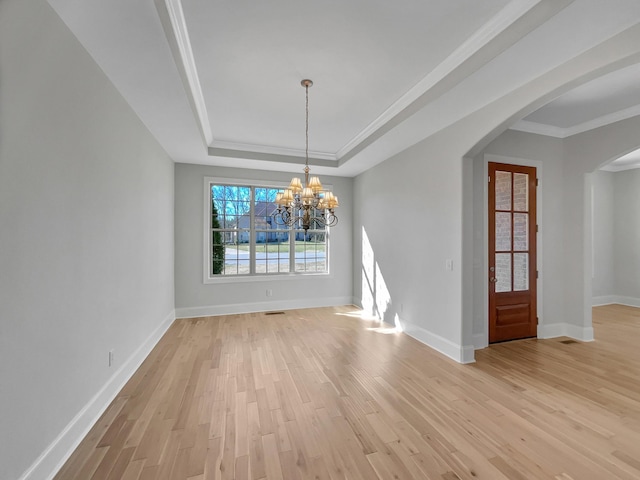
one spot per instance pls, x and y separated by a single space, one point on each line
246 240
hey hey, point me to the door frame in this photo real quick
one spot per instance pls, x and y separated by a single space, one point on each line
482 340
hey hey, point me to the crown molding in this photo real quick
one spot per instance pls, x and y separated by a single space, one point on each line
613 167
186 58
269 157
185 52
604 120
291 152
539 129
559 132
481 37
508 15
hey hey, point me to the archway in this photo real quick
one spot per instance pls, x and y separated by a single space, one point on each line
615 223
570 161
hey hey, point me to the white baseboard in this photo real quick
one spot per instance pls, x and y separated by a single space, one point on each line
459 353
603 300
551 331
230 309
57 453
584 334
467 354
480 341
629 301
615 299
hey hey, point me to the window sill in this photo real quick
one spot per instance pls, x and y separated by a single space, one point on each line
264 278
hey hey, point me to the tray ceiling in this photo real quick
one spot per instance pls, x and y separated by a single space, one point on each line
218 82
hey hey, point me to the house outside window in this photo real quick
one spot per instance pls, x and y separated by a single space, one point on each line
243 240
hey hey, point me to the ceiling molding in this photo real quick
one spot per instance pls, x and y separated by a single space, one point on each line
291 152
626 162
613 167
194 90
604 120
129 41
539 129
270 157
481 37
185 52
559 132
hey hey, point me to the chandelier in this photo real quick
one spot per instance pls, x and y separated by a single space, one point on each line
309 205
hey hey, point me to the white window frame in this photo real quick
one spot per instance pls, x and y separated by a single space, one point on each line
209 278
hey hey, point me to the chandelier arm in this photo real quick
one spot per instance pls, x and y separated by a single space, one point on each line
283 216
286 218
331 220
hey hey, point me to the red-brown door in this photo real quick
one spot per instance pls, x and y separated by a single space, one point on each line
512 252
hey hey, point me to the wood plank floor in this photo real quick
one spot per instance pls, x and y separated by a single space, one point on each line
321 394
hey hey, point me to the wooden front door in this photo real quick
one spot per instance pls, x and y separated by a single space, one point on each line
512 252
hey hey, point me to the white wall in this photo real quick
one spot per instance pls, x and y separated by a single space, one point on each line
603 235
407 225
194 298
425 194
616 237
627 236
86 240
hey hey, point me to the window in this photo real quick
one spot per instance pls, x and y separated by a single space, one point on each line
243 239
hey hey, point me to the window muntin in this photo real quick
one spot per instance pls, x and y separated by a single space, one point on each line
311 251
244 239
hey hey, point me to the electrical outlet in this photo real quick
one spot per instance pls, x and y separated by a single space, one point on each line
269 292
449 264
112 357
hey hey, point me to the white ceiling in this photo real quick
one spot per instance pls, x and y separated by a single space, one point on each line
218 81
362 55
607 99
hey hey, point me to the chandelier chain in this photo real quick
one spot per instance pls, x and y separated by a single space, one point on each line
306 133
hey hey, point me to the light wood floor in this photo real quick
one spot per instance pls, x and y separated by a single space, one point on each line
317 394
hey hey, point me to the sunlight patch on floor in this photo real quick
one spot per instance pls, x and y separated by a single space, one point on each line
382 327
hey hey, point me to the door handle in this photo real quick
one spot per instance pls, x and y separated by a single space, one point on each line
493 280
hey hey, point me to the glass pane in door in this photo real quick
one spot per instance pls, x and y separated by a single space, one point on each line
503 272
503 232
520 231
520 272
520 192
503 190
